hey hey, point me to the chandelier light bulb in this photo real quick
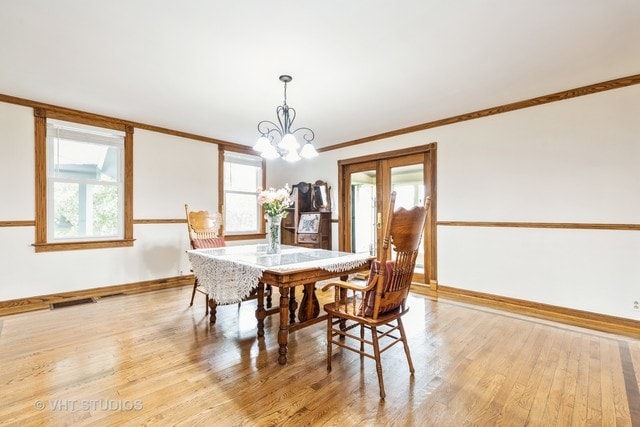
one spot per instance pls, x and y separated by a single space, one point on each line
292 156
270 153
262 144
308 151
289 142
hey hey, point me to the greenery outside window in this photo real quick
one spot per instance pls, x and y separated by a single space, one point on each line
83 183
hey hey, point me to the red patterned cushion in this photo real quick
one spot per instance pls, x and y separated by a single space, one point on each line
214 242
368 301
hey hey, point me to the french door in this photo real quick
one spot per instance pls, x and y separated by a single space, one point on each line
365 187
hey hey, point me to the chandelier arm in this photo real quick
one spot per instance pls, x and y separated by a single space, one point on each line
283 115
291 116
286 115
307 134
266 127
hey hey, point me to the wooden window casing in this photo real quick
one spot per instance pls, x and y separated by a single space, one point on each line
41 242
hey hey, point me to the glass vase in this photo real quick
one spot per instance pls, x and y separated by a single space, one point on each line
273 233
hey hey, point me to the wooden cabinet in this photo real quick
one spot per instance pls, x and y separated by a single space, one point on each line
318 235
308 221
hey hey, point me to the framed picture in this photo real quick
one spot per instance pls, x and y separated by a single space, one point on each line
309 223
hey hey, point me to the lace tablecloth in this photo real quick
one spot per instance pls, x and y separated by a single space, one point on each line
230 273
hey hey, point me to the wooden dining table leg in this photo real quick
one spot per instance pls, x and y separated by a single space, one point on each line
293 305
269 292
261 313
283 332
213 306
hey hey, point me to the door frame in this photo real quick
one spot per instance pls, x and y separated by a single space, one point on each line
429 153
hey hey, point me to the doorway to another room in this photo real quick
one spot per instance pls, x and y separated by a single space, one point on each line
364 190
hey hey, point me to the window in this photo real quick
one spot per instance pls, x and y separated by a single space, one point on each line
243 174
83 184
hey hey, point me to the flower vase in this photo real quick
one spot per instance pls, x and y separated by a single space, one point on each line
273 233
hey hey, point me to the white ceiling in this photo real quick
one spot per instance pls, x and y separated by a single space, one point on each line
359 67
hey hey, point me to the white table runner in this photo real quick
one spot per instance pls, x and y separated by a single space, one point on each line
230 273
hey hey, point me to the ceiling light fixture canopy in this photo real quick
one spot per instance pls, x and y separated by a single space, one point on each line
278 140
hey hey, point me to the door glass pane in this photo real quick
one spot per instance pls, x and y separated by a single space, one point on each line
363 212
408 183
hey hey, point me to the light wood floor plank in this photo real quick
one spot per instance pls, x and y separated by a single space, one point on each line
594 404
617 399
556 387
537 386
567 396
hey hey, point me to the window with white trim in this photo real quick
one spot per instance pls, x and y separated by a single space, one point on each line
85 182
243 175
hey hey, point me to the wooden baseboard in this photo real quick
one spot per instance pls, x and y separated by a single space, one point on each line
42 302
585 319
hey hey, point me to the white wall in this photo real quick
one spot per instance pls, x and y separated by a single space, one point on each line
17 167
570 161
168 172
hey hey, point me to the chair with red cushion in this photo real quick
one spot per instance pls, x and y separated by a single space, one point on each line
383 298
204 232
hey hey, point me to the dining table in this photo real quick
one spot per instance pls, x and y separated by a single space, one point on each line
231 273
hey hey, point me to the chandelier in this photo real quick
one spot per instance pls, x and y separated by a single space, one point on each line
278 140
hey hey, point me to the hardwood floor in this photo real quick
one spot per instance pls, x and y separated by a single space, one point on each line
150 359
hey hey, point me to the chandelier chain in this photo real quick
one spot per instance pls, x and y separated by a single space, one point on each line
285 93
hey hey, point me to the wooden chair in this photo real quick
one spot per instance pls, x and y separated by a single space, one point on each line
382 303
204 232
